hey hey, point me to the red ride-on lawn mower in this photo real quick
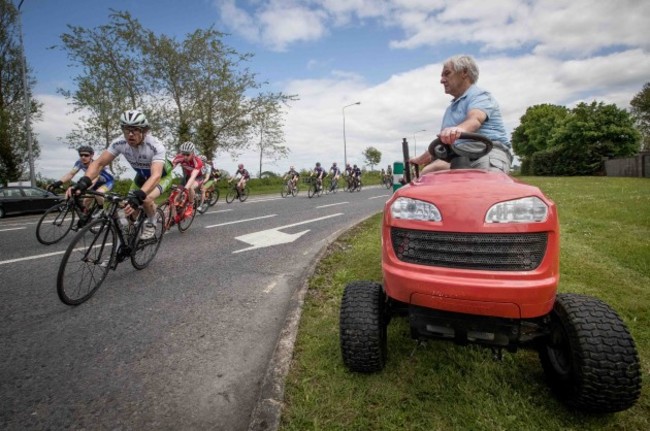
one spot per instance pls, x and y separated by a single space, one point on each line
472 256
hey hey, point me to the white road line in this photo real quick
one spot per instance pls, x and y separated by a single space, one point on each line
13 228
241 221
39 256
377 197
331 205
270 287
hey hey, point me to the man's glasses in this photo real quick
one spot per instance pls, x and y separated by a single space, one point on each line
129 130
84 155
186 154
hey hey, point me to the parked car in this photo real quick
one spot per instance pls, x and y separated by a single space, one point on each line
26 199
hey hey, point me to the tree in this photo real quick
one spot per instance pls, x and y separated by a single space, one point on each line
641 114
266 123
590 134
372 156
536 129
14 152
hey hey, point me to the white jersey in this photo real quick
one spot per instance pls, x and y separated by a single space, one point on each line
141 157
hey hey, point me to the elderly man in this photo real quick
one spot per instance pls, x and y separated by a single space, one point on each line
472 110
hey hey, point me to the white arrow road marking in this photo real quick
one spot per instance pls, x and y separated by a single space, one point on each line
240 221
271 237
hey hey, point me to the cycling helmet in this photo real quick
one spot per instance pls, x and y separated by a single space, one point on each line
291 168
318 164
187 147
134 118
86 149
240 166
355 166
334 164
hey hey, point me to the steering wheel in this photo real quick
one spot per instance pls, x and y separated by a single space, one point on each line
478 147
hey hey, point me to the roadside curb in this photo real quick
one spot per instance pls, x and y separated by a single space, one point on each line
266 414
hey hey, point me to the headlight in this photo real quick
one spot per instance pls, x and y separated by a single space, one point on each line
412 209
525 210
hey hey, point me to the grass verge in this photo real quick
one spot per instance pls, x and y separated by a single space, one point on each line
605 252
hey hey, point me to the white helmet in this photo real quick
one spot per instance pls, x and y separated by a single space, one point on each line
134 118
187 147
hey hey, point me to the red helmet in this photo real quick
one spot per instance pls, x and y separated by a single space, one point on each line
240 166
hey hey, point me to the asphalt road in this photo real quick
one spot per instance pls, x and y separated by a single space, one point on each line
182 344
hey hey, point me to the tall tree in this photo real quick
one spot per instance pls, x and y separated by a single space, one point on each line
266 128
14 152
372 156
641 114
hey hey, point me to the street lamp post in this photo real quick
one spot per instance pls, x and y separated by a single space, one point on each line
28 125
415 143
345 151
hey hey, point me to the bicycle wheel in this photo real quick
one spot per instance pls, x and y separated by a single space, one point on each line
311 191
55 224
295 190
144 250
213 197
187 218
244 194
231 195
165 208
86 262
285 191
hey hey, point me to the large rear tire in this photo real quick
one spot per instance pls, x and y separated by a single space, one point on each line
589 357
231 195
363 327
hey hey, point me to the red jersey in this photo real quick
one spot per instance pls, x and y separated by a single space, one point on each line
188 165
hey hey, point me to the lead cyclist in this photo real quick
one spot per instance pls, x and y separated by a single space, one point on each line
146 155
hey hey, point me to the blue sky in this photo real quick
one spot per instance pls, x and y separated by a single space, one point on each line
387 54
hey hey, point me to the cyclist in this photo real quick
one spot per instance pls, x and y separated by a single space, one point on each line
335 172
146 155
207 179
244 176
348 174
320 175
103 183
294 175
356 174
192 166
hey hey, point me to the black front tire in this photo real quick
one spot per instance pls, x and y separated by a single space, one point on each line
55 224
589 357
363 327
145 250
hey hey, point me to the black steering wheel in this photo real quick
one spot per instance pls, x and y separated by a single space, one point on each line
480 146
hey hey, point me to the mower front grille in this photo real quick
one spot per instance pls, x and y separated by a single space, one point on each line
492 252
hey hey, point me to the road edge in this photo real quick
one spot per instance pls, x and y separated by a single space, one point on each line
268 409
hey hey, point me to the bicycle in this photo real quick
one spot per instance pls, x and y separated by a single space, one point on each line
314 188
185 211
355 185
289 189
234 192
57 221
388 181
101 245
210 200
333 186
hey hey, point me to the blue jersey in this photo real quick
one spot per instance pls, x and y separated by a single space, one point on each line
104 175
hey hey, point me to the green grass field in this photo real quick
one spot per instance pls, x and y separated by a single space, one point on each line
605 252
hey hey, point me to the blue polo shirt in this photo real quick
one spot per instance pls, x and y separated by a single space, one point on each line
476 98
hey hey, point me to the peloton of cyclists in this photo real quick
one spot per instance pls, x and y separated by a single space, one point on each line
294 175
146 155
320 174
103 183
244 176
